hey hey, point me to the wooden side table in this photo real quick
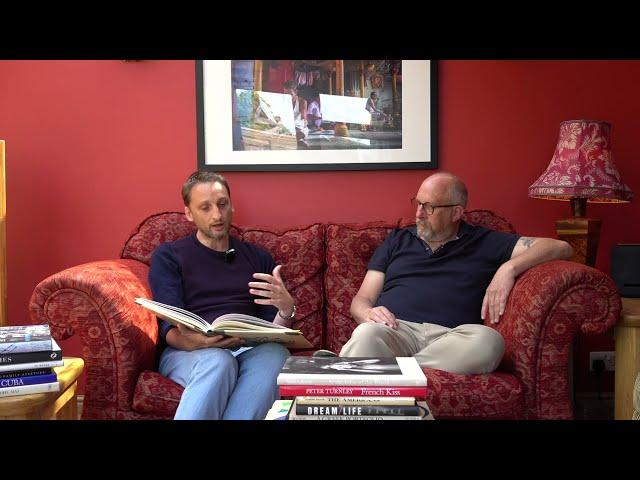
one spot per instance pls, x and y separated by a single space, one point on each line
61 405
627 357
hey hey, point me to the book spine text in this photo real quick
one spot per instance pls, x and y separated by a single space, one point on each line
351 391
29 389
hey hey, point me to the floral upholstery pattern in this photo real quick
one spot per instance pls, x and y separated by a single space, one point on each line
301 254
323 265
349 248
547 305
474 397
95 301
156 395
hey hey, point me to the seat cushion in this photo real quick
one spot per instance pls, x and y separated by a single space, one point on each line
156 395
490 396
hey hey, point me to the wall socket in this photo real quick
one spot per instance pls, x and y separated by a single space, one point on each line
609 359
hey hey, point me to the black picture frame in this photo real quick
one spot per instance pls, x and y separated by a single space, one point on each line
215 143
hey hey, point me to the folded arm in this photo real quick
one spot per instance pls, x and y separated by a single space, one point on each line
528 252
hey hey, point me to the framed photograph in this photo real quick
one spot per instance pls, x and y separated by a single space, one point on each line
292 115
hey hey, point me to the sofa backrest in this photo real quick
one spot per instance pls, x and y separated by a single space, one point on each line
323 265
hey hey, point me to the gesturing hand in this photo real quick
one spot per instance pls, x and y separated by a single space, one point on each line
495 298
274 291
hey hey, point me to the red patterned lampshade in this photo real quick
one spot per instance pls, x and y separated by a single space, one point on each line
582 171
582 166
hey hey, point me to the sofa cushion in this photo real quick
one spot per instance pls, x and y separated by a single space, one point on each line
494 395
349 248
156 395
300 251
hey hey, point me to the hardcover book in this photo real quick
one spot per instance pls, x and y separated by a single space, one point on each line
351 391
353 371
29 389
424 414
396 401
28 380
253 329
24 338
11 362
358 410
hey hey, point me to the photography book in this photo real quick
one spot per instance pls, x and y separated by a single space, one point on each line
300 412
253 329
30 389
352 371
317 400
359 410
24 338
20 381
288 391
11 362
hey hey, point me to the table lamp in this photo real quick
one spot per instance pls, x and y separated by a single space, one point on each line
582 171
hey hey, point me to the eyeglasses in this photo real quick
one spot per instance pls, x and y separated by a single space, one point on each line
428 207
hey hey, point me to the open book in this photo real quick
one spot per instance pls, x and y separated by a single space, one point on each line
253 329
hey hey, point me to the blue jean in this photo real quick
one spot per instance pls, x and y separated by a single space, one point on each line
219 385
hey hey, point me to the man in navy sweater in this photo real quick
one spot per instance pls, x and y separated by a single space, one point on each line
211 273
428 288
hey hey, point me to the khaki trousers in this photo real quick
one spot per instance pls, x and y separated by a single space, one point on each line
466 349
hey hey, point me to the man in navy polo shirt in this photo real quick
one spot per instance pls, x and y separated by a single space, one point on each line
429 287
211 273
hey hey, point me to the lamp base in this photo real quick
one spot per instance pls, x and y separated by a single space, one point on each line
583 234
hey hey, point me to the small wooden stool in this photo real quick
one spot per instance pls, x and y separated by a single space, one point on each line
61 405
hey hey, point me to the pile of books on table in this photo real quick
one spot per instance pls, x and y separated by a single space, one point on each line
340 388
28 354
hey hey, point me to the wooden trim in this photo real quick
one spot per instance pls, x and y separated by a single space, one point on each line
3 240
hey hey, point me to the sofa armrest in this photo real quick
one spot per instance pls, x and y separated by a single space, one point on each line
96 301
547 306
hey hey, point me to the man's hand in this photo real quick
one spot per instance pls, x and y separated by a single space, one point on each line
184 338
495 298
381 315
274 291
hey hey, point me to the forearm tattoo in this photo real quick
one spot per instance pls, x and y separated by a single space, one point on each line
527 241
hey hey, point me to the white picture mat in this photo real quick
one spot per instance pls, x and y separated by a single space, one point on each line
416 125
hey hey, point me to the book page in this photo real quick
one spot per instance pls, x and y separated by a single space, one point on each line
240 320
174 314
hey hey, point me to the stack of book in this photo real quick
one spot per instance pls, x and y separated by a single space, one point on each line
340 388
28 354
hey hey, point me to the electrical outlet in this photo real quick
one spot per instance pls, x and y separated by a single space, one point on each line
609 359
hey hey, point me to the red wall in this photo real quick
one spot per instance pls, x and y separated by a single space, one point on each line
93 147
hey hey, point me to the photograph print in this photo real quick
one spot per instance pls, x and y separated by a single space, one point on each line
315 114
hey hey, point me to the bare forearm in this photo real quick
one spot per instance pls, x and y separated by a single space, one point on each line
360 306
539 251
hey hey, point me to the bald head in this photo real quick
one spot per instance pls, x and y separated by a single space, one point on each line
447 187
